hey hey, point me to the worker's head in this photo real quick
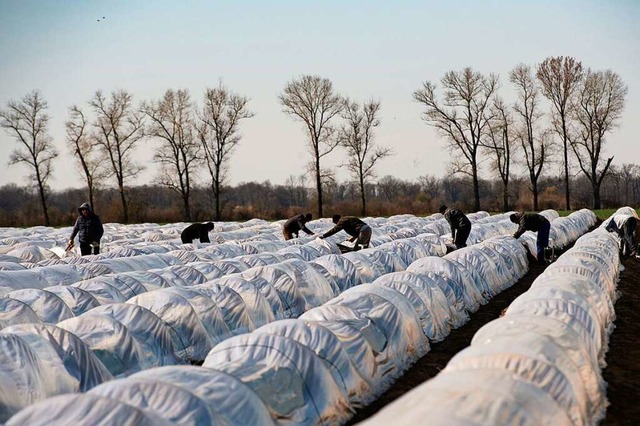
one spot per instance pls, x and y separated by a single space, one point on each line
84 209
443 208
209 226
515 217
336 218
307 217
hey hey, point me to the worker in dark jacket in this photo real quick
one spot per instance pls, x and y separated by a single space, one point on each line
198 231
625 226
89 230
360 232
459 223
296 224
536 223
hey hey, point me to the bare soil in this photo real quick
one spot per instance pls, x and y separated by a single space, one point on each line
623 359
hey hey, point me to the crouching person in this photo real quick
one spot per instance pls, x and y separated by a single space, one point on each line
199 231
625 226
536 223
359 231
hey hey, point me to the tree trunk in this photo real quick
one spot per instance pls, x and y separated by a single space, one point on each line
505 196
596 196
534 189
567 197
319 187
125 210
476 189
92 198
187 210
217 191
43 200
363 211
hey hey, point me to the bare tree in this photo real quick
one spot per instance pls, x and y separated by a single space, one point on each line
83 147
532 139
171 121
27 121
218 132
597 110
500 142
461 117
357 137
118 129
311 99
559 76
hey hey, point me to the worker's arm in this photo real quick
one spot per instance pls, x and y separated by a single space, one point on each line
520 230
333 230
74 232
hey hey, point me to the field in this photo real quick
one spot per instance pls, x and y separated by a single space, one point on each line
622 373
218 307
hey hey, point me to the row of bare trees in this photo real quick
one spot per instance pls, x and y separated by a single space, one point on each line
583 107
190 137
104 140
558 109
387 196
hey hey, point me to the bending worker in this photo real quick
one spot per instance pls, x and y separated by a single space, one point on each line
625 226
296 224
197 231
533 222
89 229
360 232
459 223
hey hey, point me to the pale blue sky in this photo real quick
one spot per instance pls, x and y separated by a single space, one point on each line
369 49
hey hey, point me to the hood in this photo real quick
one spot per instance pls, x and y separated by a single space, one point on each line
85 206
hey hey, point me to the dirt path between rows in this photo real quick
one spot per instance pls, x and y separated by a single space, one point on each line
623 358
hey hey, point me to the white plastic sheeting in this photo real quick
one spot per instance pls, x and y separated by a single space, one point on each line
538 364
362 321
327 347
51 342
428 299
47 306
477 397
291 379
29 376
85 409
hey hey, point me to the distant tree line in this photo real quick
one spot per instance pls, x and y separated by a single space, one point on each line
562 114
387 196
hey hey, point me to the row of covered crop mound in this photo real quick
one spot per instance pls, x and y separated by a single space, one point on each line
57 292
32 247
335 357
53 293
237 298
180 323
538 364
168 326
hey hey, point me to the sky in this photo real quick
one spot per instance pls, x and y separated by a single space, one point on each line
370 50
